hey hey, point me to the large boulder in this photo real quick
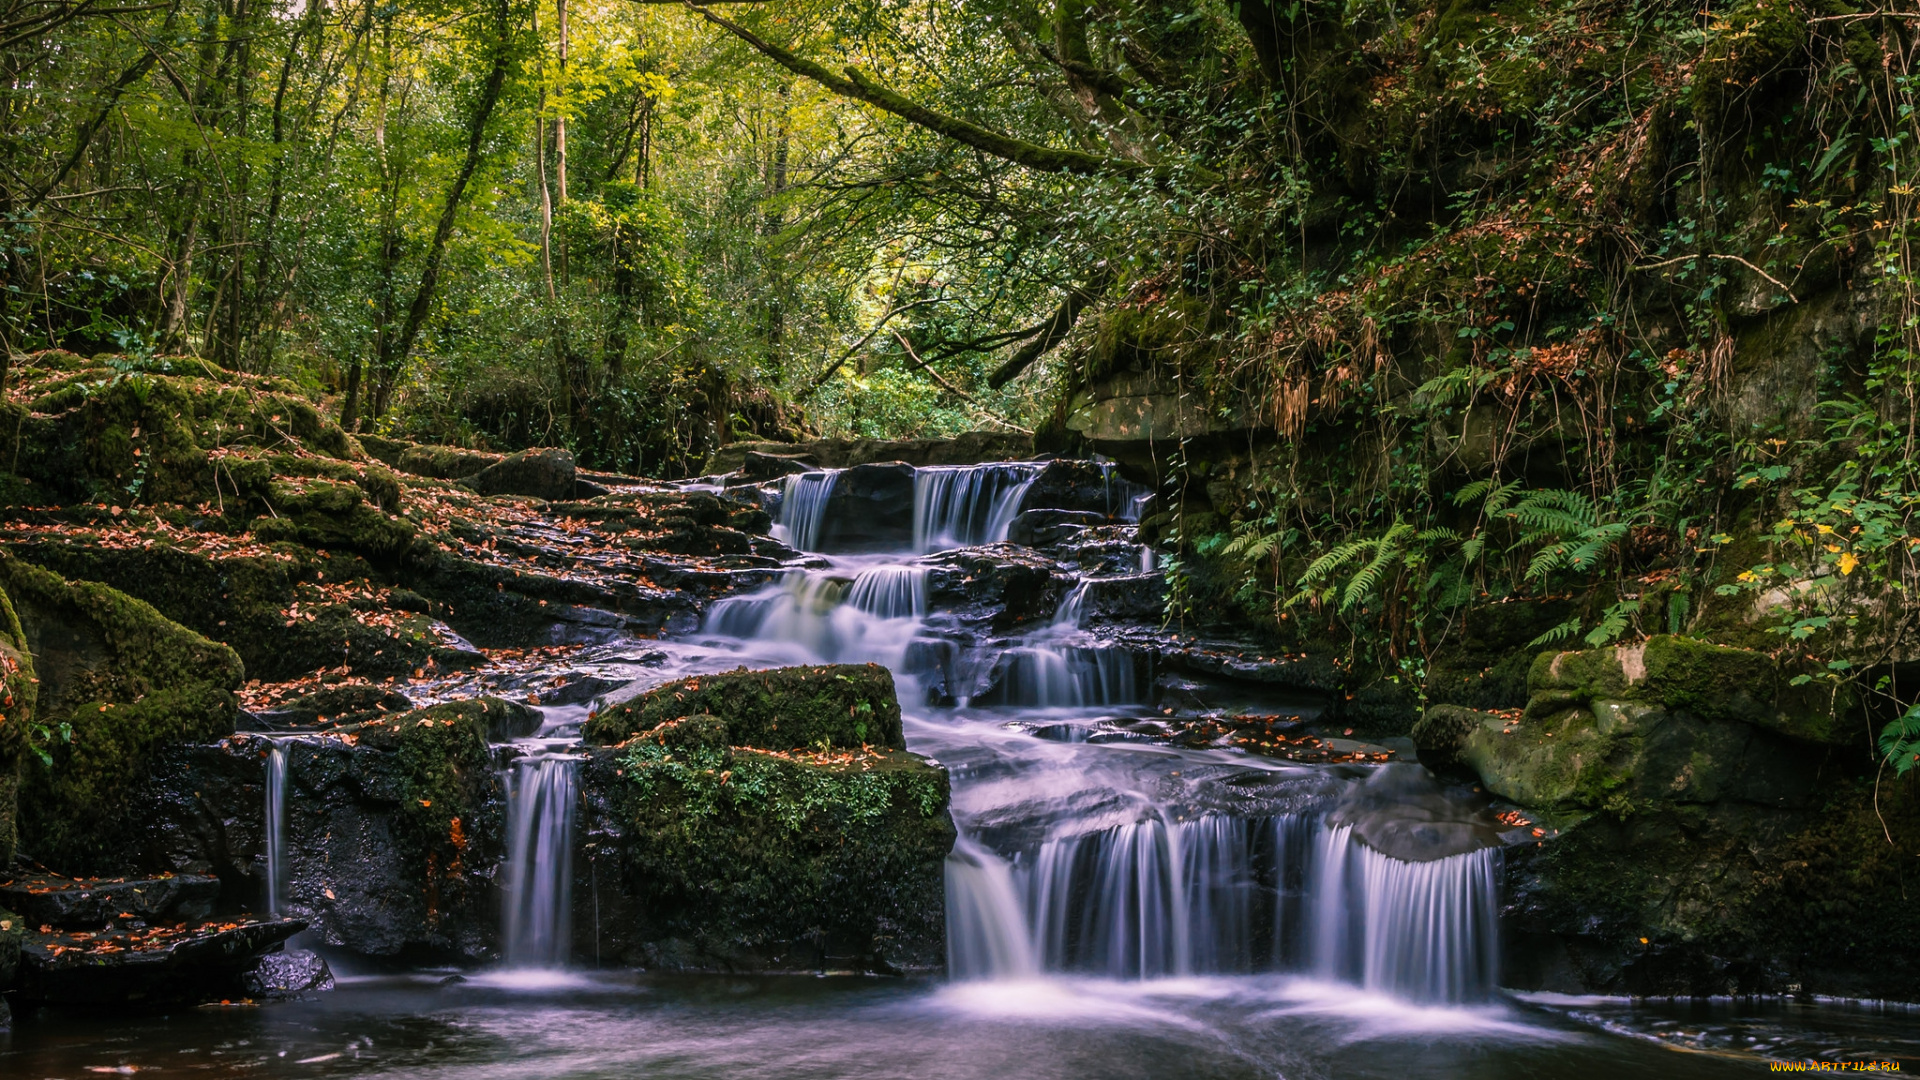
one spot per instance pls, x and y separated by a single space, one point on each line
1697 825
119 684
836 706
710 855
541 473
869 509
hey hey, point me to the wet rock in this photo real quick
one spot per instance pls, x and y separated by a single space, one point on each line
1441 737
146 966
93 902
1003 585
542 473
1126 598
840 705
394 831
761 467
588 489
1402 811
128 683
1046 526
704 857
870 509
350 703
1081 486
290 974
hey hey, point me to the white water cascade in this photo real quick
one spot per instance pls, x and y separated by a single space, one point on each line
1088 843
803 509
276 828
963 506
540 811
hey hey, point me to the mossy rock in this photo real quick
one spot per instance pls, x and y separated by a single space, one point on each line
839 705
710 857
13 931
18 690
1715 682
1441 736
322 513
126 682
496 719
444 462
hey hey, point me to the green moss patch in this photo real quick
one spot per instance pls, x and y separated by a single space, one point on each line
839 705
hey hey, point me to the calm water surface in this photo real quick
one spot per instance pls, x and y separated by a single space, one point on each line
796 1027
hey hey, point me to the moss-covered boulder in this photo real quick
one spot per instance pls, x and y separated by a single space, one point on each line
716 857
119 682
443 462
18 690
1713 682
844 706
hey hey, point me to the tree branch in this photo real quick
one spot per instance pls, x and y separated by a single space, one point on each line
860 86
954 390
820 380
1056 330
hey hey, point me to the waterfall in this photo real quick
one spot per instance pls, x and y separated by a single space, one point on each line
1073 608
1421 930
890 592
803 508
986 925
962 506
276 827
1047 674
540 809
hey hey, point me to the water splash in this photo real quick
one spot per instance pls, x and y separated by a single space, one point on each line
1073 608
540 811
964 506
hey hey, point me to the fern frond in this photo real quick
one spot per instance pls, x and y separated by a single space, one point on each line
1558 633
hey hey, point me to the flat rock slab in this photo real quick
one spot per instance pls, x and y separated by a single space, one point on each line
153 965
83 903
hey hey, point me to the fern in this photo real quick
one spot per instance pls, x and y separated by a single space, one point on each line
1613 622
1558 633
1900 742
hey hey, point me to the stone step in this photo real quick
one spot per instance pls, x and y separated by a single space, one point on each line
90 903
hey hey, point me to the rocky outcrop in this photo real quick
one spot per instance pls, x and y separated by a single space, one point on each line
119 684
971 448
542 473
1699 829
845 706
869 509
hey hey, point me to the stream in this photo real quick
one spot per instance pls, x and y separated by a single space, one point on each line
1120 903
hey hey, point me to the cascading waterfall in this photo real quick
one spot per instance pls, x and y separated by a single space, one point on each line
963 506
1158 892
539 894
1422 930
276 828
803 509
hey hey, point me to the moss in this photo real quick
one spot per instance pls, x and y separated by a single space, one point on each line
1714 682
18 692
842 705
443 462
734 857
13 932
329 513
127 682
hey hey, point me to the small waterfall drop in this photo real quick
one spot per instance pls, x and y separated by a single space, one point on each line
890 592
964 506
539 894
276 828
986 921
1073 608
803 509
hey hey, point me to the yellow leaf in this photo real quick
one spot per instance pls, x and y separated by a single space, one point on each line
1848 562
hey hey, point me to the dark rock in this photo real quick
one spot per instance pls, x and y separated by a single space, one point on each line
64 902
588 489
869 509
1003 585
969 448
541 473
1046 526
1402 811
289 974
704 857
1127 598
1081 486
842 705
345 704
761 467
146 967
1441 736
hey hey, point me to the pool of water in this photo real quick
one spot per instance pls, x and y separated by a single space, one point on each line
553 1026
